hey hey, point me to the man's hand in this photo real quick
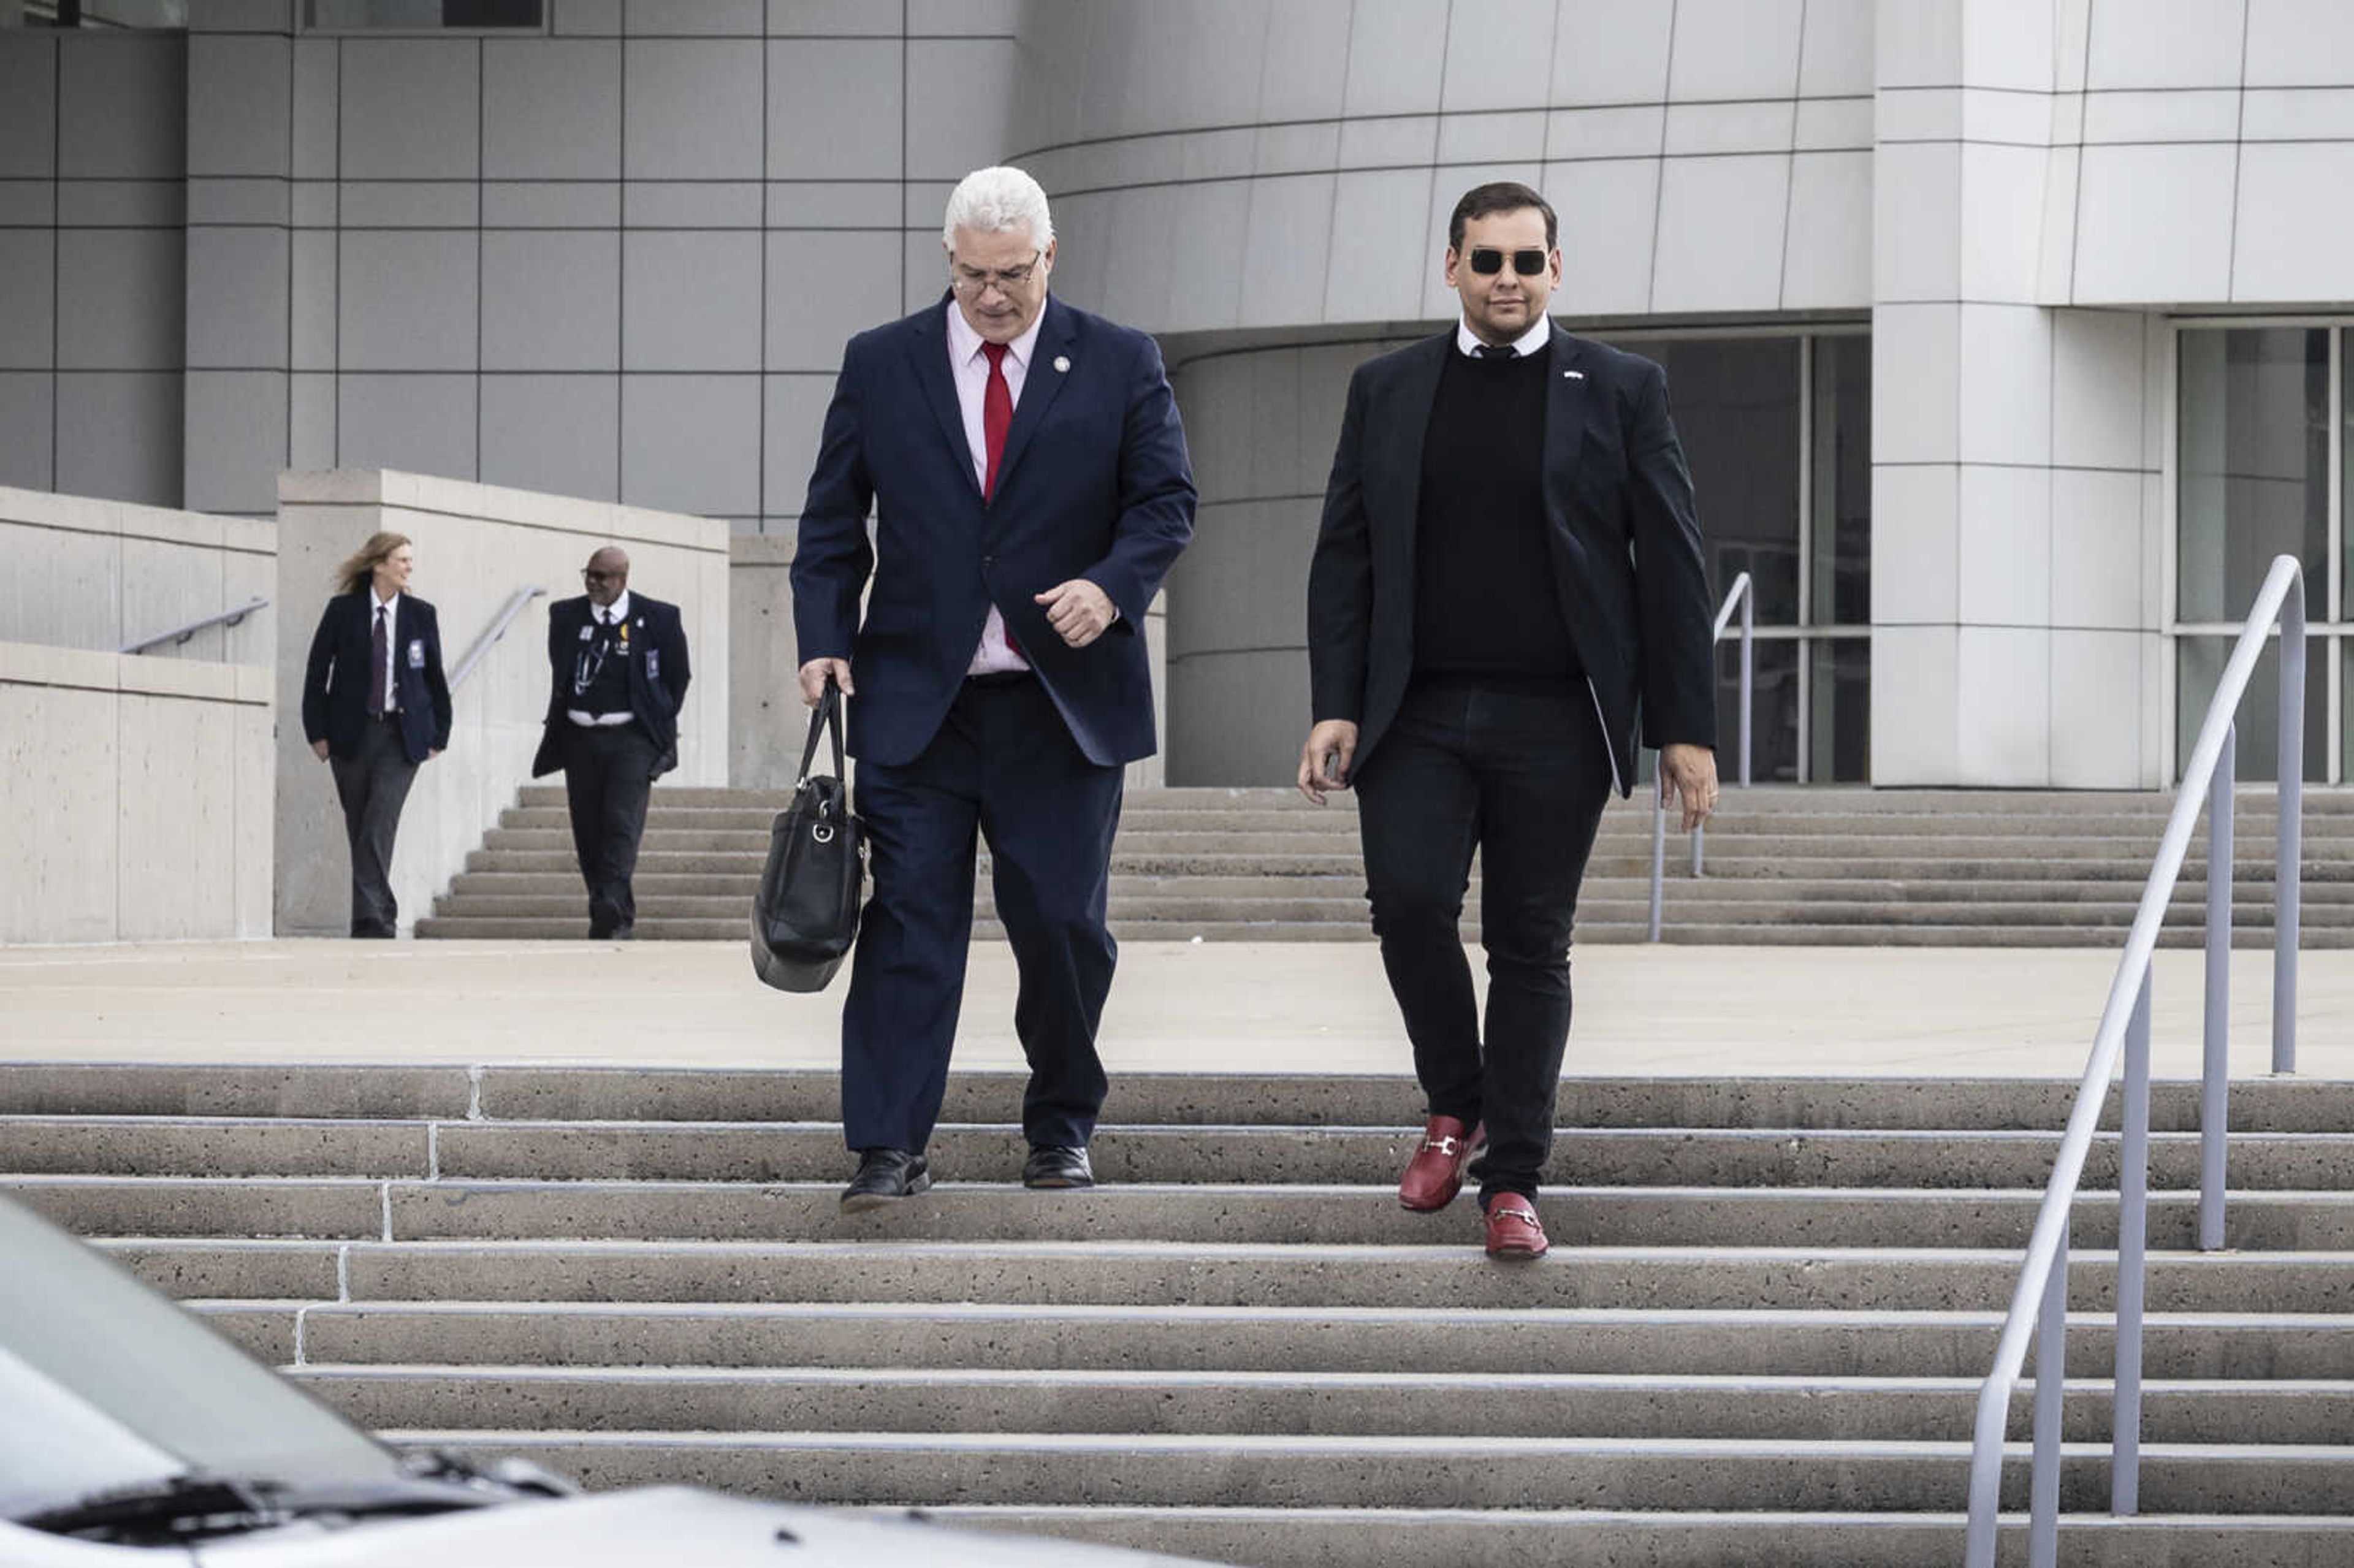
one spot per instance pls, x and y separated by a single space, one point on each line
1078 610
319 746
813 675
1324 760
433 753
1689 771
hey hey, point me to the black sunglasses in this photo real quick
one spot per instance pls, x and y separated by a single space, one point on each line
592 576
1488 261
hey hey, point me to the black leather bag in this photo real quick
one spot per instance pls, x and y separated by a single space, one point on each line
806 913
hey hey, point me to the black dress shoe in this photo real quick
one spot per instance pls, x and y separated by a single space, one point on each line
1055 1166
885 1176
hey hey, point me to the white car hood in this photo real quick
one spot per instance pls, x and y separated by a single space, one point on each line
655 1527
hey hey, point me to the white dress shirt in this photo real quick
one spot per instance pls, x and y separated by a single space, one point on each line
1533 341
612 614
384 676
970 367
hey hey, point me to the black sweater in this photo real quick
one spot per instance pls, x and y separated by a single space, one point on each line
1486 605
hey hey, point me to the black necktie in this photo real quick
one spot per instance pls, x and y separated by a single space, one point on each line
380 665
1497 351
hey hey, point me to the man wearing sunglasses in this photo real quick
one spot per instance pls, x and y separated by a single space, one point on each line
1507 582
618 674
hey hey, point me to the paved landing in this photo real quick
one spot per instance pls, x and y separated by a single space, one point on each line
1208 1007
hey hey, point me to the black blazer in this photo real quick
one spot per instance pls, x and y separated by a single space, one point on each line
1094 483
1624 540
658 676
335 681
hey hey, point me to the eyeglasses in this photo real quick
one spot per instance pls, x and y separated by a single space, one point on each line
974 280
1488 261
591 576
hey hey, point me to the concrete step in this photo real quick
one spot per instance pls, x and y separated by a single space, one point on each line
1465 1472
1137 1273
630 1096
1575 1216
1645 1341
1534 1404
812 1151
1394 1537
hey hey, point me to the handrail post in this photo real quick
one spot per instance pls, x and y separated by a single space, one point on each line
2289 875
1659 851
1748 626
2215 1066
2050 1385
2133 1225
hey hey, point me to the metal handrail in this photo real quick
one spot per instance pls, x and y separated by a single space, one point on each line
2039 1305
181 634
1742 594
492 633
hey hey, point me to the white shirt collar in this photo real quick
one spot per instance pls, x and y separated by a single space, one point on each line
964 344
375 604
619 610
1533 341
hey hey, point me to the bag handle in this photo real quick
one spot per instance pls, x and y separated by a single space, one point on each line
828 721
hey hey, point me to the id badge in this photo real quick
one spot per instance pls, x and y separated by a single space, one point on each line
585 634
417 653
654 663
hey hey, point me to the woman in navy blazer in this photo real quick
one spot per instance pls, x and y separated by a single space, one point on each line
375 705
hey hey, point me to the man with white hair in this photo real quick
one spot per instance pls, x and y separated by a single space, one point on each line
1030 488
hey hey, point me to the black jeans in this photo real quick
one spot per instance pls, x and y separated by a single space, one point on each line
373 784
609 771
1521 777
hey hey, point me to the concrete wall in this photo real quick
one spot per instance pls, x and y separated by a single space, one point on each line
619 261
134 798
1221 165
1263 423
2019 519
85 573
476 545
93 204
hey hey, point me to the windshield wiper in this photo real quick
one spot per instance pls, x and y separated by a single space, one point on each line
190 1507
158 1510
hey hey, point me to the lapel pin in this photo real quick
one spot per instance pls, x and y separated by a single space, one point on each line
1062 362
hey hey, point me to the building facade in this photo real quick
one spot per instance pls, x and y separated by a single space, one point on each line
2007 336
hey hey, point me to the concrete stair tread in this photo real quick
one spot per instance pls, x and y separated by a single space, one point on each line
1418 1445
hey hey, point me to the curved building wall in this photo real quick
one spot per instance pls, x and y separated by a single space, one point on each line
1225 164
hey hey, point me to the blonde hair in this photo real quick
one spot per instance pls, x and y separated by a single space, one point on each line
359 569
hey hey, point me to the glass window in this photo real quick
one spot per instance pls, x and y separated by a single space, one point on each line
401 16
2199 666
1773 719
1838 710
1735 402
2254 454
1840 533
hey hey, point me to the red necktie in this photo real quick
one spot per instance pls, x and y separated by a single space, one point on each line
996 414
996 417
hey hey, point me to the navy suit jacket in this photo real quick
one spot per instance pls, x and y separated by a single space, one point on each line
335 682
1094 483
1620 527
658 676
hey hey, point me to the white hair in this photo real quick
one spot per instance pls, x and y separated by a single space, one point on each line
992 200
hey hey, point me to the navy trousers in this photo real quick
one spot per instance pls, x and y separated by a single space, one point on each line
1003 767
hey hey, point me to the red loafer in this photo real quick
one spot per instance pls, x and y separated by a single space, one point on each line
1513 1233
1434 1174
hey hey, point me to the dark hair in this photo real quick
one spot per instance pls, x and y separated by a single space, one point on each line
1503 196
